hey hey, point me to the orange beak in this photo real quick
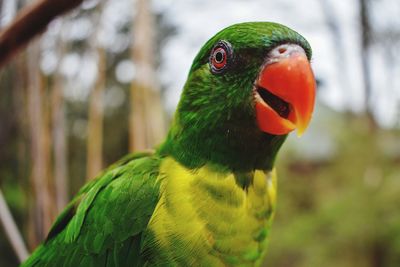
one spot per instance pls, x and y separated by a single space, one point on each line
285 91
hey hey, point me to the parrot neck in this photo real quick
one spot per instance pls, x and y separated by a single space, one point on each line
229 149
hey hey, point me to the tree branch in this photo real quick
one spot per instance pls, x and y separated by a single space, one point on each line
31 21
11 230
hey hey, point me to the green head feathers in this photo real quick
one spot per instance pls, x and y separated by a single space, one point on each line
215 121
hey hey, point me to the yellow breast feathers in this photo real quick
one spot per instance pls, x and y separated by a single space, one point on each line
205 217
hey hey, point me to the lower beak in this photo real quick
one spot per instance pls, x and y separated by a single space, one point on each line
285 91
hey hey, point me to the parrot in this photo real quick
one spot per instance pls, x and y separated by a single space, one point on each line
206 196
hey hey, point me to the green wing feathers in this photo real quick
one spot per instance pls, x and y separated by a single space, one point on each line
104 223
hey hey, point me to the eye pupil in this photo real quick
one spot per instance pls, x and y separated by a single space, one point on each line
219 57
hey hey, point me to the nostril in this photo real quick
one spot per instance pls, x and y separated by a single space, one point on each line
282 50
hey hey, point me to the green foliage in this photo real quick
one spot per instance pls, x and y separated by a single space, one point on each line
341 212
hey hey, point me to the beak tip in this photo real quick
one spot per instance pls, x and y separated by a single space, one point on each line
299 133
301 128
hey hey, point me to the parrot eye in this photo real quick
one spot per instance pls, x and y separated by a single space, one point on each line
220 58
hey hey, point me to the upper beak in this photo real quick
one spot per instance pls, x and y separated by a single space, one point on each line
285 91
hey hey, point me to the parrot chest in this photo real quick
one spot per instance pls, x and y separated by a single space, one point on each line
208 218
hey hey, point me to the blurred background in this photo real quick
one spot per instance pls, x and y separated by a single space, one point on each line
105 79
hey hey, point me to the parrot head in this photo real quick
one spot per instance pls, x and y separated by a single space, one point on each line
248 87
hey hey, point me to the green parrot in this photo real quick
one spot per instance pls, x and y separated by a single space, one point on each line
206 196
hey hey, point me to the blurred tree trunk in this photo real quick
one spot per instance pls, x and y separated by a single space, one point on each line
95 127
23 144
59 137
146 122
21 106
42 213
366 42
